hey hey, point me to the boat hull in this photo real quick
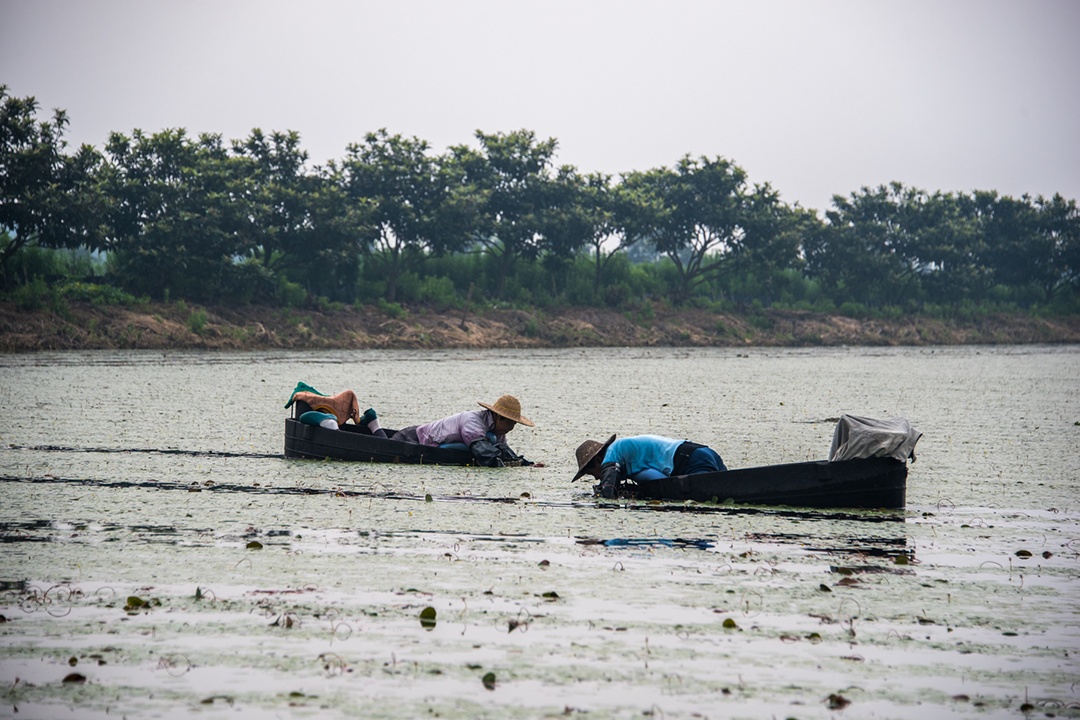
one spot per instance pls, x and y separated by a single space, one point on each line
872 483
349 443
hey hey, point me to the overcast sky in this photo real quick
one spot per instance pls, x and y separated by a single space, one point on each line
815 97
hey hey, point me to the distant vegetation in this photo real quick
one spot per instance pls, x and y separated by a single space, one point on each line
166 216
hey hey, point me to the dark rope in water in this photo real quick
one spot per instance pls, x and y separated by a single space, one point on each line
162 451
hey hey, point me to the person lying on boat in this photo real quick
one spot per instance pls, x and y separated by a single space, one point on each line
333 411
642 458
481 431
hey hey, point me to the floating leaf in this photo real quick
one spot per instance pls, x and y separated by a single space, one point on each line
73 661
730 624
1047 554
134 601
847 581
427 498
836 701
427 618
489 680
74 678
824 588
254 545
551 595
901 560
544 563
1023 553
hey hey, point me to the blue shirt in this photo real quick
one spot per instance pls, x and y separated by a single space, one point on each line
643 452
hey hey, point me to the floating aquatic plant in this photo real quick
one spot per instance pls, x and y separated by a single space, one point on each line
836 701
488 680
428 618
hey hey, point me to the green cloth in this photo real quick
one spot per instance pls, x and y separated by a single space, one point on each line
302 387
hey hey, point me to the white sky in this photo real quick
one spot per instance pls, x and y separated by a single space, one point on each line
816 97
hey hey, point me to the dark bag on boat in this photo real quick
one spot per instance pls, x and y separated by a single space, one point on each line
682 454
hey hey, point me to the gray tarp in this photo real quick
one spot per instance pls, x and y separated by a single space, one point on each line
860 437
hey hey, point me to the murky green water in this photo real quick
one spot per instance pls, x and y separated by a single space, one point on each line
148 475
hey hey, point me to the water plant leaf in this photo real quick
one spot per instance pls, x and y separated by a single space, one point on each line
824 588
427 618
1023 553
254 545
134 602
74 678
488 680
427 498
836 701
730 624
551 595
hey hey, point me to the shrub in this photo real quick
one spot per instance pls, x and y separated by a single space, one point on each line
392 309
196 321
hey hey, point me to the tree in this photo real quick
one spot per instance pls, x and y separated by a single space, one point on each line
175 227
402 184
276 190
46 196
510 176
1059 229
773 236
693 215
574 213
863 254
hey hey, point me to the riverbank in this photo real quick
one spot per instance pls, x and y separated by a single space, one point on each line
83 326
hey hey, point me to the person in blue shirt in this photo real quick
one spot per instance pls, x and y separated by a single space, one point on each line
642 458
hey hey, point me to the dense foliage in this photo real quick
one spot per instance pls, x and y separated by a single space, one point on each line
169 216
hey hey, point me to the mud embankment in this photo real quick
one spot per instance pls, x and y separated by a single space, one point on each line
181 326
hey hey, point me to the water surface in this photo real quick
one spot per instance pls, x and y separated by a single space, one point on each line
154 475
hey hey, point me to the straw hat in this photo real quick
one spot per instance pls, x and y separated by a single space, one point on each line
509 407
587 451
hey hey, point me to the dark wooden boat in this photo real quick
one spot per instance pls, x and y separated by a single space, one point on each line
351 442
872 483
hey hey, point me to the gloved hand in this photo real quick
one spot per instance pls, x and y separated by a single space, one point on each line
511 458
610 477
486 454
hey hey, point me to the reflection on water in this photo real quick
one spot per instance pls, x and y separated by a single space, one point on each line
159 476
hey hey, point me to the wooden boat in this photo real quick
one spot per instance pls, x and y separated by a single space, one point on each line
872 483
351 442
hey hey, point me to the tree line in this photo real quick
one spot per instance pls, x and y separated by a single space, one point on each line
165 215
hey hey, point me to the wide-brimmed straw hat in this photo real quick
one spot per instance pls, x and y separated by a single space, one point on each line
509 407
587 451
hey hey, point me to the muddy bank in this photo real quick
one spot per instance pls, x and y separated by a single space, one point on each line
177 325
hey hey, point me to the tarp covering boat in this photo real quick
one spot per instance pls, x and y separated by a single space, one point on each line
862 437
